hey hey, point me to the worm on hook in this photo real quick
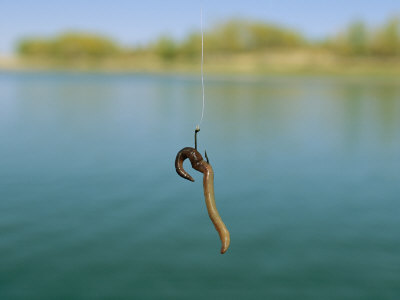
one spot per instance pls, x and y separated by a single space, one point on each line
208 184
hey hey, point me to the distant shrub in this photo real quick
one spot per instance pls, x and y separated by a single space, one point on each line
34 47
358 40
69 46
191 45
237 35
166 48
386 40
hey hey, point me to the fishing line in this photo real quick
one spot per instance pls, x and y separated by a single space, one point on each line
202 63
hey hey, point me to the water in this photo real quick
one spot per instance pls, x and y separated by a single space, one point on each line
306 179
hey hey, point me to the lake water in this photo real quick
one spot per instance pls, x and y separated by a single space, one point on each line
307 179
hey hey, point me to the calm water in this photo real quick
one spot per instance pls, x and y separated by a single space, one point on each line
306 177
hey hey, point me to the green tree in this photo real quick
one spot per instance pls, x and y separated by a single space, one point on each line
34 47
386 41
166 48
268 36
191 46
69 46
357 39
353 41
75 45
239 35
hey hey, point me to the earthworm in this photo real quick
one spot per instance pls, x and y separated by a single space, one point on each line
208 185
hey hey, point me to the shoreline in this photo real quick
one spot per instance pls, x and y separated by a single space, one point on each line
249 64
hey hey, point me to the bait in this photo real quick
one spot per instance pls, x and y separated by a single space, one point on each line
199 164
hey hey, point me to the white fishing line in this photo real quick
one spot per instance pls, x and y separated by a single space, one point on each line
202 63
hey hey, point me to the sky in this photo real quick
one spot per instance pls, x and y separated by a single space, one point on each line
138 22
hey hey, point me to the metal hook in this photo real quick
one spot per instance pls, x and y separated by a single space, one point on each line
195 136
195 142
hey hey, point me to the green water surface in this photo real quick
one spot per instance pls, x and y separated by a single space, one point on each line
307 179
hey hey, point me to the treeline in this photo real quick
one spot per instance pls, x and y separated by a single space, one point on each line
232 37
360 40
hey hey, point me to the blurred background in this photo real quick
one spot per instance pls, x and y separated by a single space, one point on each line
301 126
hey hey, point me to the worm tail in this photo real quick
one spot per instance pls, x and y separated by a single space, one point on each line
208 183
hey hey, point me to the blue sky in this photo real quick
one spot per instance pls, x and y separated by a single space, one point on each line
131 22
